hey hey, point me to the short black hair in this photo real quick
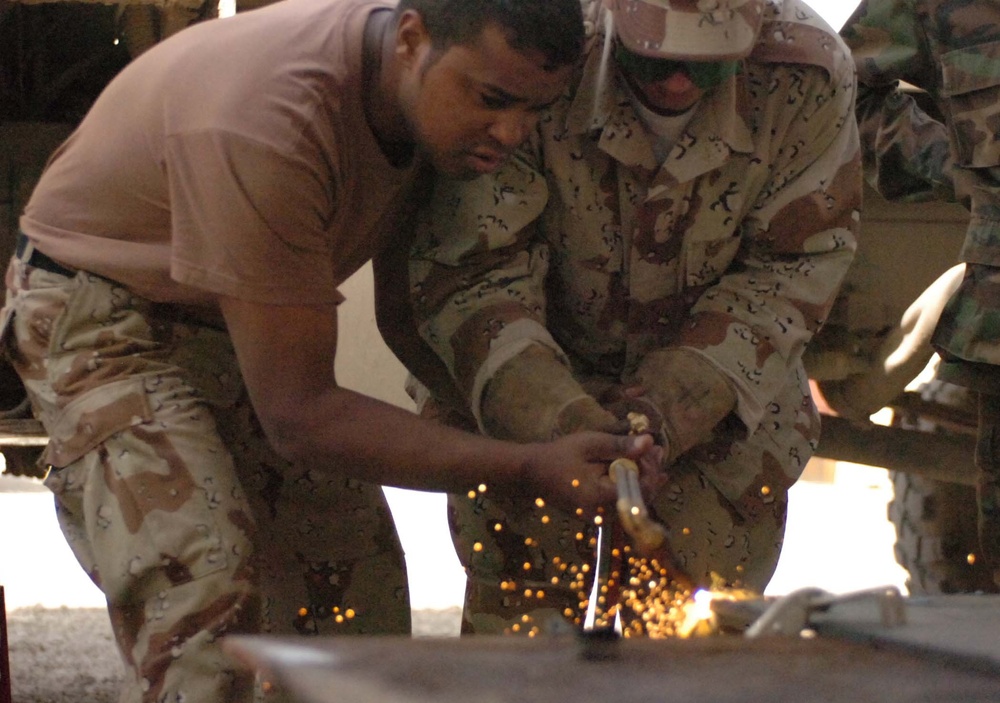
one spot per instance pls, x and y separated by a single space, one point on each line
552 27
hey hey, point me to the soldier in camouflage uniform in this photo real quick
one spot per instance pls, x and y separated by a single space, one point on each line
951 50
172 311
671 237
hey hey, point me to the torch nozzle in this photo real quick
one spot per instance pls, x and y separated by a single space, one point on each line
647 534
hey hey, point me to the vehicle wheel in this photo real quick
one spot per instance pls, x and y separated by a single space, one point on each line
936 536
937 539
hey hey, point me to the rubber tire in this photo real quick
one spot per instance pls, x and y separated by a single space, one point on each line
935 534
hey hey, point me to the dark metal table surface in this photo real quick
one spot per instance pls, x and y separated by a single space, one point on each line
924 660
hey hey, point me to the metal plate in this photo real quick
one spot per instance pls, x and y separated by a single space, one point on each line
719 669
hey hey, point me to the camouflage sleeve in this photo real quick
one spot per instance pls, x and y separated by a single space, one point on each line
477 273
798 243
905 149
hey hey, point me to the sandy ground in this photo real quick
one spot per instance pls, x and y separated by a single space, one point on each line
67 655
61 647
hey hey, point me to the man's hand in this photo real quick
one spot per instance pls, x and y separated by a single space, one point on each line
572 472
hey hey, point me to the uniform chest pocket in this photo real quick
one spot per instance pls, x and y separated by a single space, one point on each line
971 87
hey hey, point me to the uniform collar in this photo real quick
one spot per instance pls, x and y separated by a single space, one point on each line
601 105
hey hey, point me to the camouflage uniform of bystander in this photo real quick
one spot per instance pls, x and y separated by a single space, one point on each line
951 50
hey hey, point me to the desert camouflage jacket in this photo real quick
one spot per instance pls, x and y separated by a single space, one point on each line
734 247
951 50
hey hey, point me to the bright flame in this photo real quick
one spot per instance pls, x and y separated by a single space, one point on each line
698 616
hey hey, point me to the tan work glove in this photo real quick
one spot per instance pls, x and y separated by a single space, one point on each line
534 397
691 395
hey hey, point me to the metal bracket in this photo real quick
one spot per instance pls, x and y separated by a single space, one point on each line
790 614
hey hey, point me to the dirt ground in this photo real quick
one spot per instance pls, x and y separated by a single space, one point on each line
63 655
67 655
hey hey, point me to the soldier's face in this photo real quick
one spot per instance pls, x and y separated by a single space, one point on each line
671 86
471 105
674 94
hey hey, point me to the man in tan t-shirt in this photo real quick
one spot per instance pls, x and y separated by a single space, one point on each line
172 312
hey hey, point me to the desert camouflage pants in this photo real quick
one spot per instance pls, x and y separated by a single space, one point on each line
530 569
524 560
172 500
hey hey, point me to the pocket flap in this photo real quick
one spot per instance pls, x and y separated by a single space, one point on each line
93 417
970 69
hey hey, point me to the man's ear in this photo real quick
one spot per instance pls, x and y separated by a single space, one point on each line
412 38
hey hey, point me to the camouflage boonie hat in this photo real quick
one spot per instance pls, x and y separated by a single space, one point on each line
698 30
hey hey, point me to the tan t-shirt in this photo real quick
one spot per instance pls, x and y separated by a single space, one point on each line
233 158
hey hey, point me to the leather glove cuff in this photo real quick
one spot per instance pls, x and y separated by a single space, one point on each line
534 397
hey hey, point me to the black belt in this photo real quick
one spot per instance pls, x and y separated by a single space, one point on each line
39 260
